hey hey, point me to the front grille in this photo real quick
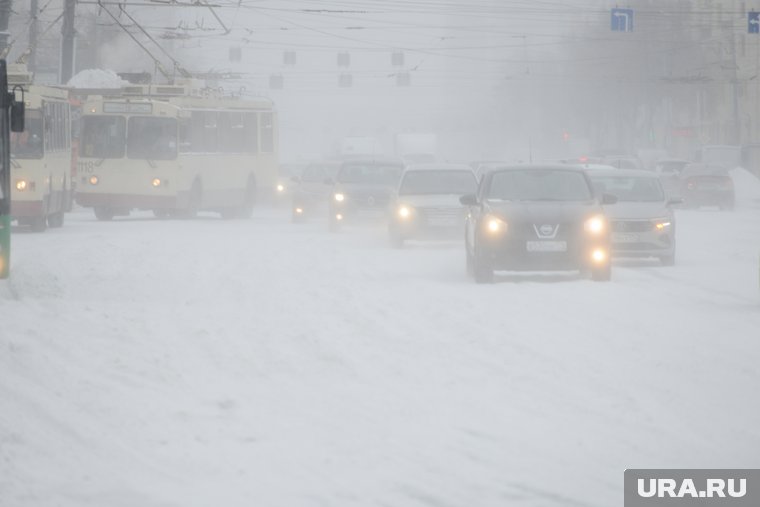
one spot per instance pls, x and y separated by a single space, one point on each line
441 213
632 225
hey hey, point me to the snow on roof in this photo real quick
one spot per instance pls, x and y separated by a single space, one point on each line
96 78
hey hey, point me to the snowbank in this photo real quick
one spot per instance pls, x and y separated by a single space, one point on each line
747 187
96 78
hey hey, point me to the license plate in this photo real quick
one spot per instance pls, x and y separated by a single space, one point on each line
546 246
624 237
443 221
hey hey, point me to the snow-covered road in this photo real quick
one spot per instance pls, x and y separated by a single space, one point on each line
239 363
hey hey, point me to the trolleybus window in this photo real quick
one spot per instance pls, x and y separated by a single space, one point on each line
251 126
267 133
28 144
152 138
103 136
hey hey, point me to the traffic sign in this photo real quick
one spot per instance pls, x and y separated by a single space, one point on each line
621 20
753 22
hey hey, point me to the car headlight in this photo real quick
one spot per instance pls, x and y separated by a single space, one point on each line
595 225
662 224
494 225
94 180
280 187
404 212
339 197
599 255
156 182
21 185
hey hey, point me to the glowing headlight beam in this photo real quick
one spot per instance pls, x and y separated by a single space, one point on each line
404 212
595 225
339 197
599 255
280 188
156 182
21 185
94 180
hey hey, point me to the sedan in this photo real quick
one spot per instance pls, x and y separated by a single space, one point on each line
536 218
310 190
362 190
642 221
426 203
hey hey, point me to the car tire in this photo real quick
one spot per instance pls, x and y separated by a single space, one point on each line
396 239
161 213
332 224
468 264
482 270
668 260
601 273
39 223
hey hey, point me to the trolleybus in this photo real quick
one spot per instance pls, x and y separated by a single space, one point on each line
41 185
175 150
11 119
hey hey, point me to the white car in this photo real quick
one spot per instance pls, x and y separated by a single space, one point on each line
426 202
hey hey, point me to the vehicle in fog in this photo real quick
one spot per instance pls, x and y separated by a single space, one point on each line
41 189
536 218
362 189
669 171
480 167
416 147
311 189
11 120
622 162
426 203
642 222
724 156
704 185
287 175
176 150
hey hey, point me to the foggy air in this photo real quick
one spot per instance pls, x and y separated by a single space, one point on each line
377 252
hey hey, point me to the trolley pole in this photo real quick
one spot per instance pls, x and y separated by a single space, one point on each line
33 30
67 48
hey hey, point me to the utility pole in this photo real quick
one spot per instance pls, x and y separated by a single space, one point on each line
5 16
33 31
67 49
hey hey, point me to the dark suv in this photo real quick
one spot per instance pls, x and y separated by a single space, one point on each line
362 190
536 218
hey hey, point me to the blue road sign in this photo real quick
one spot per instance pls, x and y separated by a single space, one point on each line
621 20
753 22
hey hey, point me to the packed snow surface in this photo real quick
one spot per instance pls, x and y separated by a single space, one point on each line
96 78
238 363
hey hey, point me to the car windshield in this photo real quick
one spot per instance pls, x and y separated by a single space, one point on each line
538 185
438 183
629 189
318 173
370 174
28 144
152 138
671 167
103 136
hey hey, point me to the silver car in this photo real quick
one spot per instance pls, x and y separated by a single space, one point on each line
642 221
426 203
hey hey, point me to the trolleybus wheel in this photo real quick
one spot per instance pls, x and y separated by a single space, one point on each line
56 220
39 223
104 214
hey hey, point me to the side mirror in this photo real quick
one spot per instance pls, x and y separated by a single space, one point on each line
674 201
609 199
328 181
17 116
469 200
